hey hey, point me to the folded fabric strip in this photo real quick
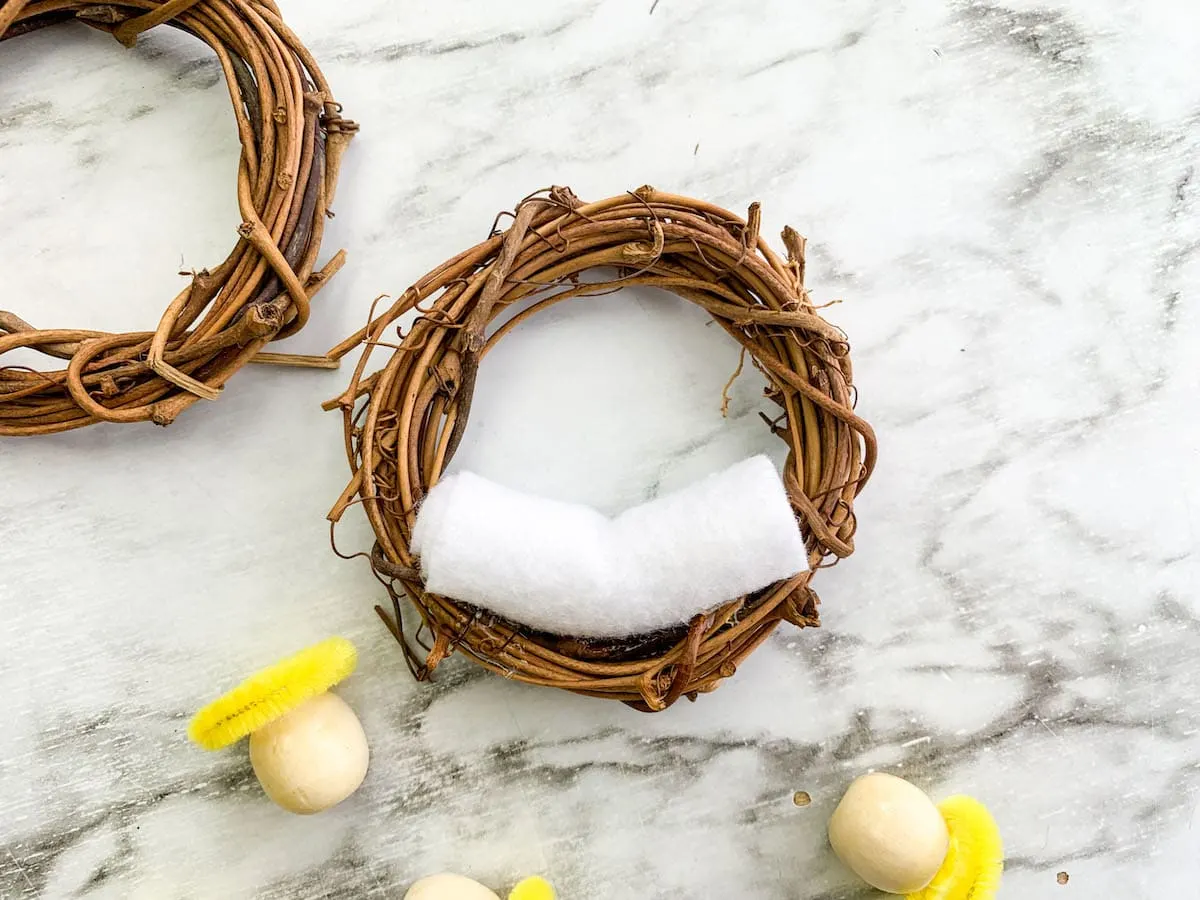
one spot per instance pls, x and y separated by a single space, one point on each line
568 569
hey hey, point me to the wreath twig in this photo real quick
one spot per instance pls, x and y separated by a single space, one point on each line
293 136
404 422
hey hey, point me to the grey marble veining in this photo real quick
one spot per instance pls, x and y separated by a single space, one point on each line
1005 197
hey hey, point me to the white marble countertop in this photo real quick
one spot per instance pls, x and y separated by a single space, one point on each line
1004 194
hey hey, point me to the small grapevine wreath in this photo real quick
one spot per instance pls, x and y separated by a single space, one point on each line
293 137
404 422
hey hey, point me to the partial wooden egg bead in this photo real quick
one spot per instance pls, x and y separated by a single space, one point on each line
312 758
449 887
889 833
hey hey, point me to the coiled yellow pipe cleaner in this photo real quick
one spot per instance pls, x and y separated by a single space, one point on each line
975 860
273 692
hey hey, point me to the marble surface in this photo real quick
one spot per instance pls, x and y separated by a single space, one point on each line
1005 196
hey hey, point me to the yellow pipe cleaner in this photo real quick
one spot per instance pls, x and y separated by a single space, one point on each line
533 889
267 695
975 860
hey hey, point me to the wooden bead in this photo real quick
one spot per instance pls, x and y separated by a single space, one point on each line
312 758
449 887
889 833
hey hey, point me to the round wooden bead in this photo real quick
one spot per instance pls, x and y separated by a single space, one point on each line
889 833
449 887
312 758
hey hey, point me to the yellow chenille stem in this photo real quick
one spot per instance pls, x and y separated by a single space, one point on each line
975 860
533 889
273 692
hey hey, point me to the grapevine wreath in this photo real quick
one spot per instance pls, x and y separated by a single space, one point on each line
404 422
293 137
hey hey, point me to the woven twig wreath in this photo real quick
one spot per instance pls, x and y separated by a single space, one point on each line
293 137
404 422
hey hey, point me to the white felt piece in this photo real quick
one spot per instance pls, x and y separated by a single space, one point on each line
723 536
567 569
505 550
432 514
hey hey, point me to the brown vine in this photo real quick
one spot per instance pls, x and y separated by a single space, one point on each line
293 136
404 422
